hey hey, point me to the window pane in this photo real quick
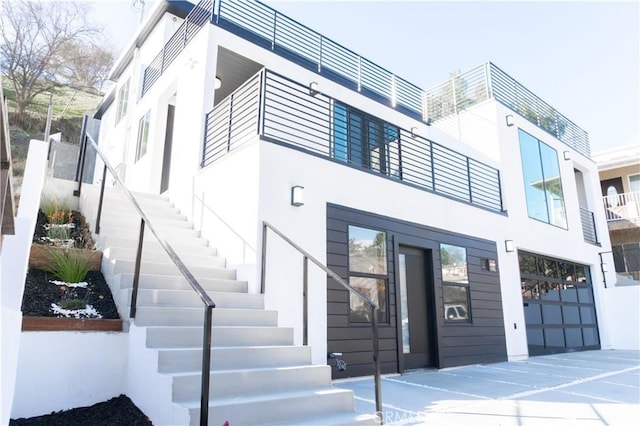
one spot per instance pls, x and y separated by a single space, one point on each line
143 136
453 260
584 295
571 315
367 251
549 291
373 288
456 302
377 147
548 267
554 337
588 315
530 289
393 147
567 271
355 139
551 314
340 132
404 310
553 185
573 336
533 177
527 263
568 293
534 337
590 336
532 314
634 183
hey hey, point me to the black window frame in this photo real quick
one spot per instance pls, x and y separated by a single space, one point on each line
452 284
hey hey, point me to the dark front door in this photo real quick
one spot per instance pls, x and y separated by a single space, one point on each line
416 308
168 142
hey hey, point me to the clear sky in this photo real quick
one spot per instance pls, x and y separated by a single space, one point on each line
580 57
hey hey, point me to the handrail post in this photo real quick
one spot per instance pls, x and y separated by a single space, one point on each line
136 272
83 154
99 215
305 301
206 366
263 273
376 362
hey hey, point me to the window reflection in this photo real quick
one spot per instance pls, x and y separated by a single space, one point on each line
367 251
456 302
453 260
373 288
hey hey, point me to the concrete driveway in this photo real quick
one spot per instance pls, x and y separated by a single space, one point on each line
580 388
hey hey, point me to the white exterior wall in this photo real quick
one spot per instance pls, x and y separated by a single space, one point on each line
79 370
13 270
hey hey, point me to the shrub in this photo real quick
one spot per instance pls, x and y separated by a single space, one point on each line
69 266
55 209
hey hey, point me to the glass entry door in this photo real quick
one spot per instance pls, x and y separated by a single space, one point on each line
416 308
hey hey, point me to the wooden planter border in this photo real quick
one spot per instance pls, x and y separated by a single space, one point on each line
70 324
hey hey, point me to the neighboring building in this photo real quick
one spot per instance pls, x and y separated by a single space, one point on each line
620 183
469 212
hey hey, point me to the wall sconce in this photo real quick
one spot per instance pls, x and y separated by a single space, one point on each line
217 83
509 246
509 119
296 196
414 132
313 88
605 267
567 155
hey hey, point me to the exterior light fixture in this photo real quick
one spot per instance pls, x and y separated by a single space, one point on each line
509 246
313 88
509 119
217 83
567 155
605 267
296 196
414 132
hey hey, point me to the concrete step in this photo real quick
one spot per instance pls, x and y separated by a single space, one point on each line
148 254
235 383
156 315
178 244
275 407
170 269
342 419
132 221
166 232
160 282
189 298
233 358
222 336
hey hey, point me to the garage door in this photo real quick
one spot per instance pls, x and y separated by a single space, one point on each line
559 309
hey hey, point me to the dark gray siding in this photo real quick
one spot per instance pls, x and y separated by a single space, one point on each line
481 341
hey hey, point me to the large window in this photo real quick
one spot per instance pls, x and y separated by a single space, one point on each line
367 272
143 136
543 185
123 101
365 141
455 283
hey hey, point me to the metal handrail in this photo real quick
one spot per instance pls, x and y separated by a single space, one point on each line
193 282
306 257
245 244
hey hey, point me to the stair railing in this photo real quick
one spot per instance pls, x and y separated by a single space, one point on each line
266 226
193 282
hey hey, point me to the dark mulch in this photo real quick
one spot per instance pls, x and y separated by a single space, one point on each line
80 233
117 411
39 294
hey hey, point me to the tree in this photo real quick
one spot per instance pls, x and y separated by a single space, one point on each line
87 65
41 43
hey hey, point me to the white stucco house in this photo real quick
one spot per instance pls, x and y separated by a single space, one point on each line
469 213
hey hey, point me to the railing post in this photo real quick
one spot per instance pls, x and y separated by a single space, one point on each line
376 362
81 144
263 273
101 199
206 366
136 272
305 301
83 154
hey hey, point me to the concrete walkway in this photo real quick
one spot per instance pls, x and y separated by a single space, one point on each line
580 388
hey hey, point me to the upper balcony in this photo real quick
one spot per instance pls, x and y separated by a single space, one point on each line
622 210
286 37
274 108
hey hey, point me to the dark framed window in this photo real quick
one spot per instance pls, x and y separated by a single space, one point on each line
368 273
455 283
365 141
543 184
143 135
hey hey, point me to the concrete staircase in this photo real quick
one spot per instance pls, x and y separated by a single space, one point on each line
258 376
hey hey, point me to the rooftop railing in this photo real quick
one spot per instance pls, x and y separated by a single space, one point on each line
296 42
622 207
282 111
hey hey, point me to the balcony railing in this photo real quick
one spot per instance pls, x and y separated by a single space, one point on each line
589 226
282 111
622 206
196 19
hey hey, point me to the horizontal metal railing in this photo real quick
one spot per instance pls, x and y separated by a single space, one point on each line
290 115
589 226
199 16
306 257
622 206
209 304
